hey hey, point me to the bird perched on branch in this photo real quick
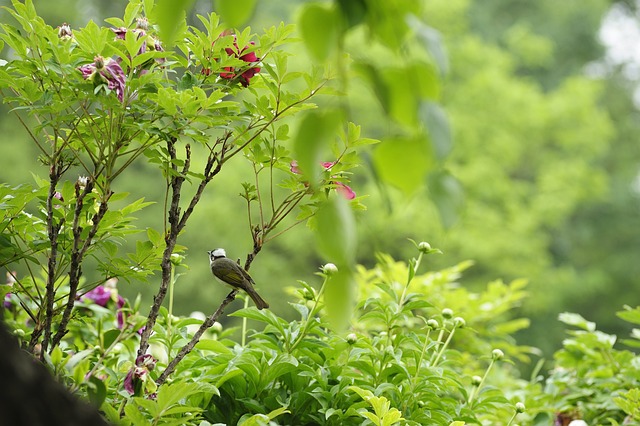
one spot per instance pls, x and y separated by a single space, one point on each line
232 274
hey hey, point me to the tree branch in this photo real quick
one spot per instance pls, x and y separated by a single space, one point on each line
184 351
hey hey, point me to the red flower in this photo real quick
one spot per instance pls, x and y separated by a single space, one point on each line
341 188
250 57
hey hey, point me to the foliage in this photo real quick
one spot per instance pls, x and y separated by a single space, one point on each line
405 359
100 99
592 379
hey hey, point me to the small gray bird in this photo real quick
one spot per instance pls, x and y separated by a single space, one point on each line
230 273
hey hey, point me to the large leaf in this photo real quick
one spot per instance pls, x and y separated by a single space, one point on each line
448 195
320 29
336 231
339 297
315 134
437 123
234 13
170 17
403 162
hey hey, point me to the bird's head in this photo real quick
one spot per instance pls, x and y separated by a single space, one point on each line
217 254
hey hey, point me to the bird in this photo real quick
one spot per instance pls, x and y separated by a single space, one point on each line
230 273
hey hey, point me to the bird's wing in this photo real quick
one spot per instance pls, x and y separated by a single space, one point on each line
247 276
231 275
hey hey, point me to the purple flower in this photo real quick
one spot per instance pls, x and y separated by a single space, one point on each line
105 71
139 374
11 279
99 295
120 315
102 294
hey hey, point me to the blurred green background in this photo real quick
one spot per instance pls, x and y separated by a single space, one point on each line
545 161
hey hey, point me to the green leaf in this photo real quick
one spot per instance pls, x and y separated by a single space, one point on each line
317 131
353 11
577 320
110 336
96 390
437 124
339 296
264 315
336 232
235 12
320 29
630 314
430 39
170 16
448 195
403 162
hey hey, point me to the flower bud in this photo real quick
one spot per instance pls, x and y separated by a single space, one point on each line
424 247
578 422
64 31
82 181
476 380
352 338
497 354
98 62
459 322
520 408
330 269
447 313
176 259
18 332
433 324
142 23
216 327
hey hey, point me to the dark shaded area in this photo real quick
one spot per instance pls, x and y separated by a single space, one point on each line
29 396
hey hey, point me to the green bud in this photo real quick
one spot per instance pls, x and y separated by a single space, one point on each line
459 322
520 408
18 332
176 259
433 324
447 313
308 294
476 380
497 354
352 338
424 247
330 269
216 327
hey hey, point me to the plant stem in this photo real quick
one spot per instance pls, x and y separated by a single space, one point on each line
312 314
444 347
476 390
244 323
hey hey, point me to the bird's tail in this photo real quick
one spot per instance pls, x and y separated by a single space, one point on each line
259 301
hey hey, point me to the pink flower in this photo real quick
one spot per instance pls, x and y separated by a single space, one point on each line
341 188
251 58
107 72
345 191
